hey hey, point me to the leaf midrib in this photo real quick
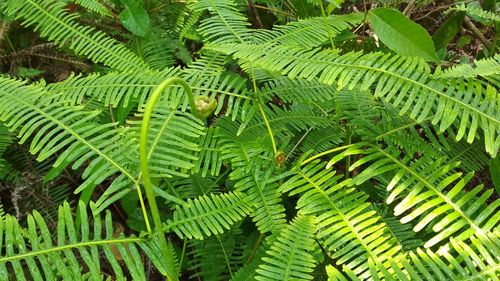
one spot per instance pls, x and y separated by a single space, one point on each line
69 27
76 135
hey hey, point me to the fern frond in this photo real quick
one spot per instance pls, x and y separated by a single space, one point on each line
48 16
374 121
210 155
289 257
231 91
486 68
299 90
6 139
216 257
308 33
157 51
405 82
288 121
476 11
195 186
475 261
226 23
432 192
247 272
94 6
206 216
55 126
123 89
45 260
186 27
172 140
404 233
346 226
319 140
240 149
262 190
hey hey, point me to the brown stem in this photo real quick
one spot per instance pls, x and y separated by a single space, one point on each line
409 8
251 4
477 33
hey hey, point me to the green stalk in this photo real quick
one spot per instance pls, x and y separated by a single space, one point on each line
143 154
323 13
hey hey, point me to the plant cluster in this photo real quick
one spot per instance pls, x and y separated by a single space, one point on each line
249 140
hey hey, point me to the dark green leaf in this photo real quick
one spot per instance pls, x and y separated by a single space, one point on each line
448 30
136 19
401 34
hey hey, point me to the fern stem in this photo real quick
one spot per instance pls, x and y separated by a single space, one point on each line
255 248
143 154
323 13
348 159
143 207
325 153
268 126
38 253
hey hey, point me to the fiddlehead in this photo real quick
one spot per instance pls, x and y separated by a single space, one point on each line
202 107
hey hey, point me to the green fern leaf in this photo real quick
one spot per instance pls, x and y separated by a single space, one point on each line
346 226
172 140
47 261
227 24
94 6
476 11
307 33
476 261
55 126
432 192
405 82
290 255
216 257
48 16
205 215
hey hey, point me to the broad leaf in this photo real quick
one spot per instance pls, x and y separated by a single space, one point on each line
401 35
136 19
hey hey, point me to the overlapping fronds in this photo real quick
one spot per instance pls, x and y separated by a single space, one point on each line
186 26
71 131
173 137
123 89
262 190
76 244
299 90
115 88
405 236
157 51
349 230
486 68
311 32
290 257
194 186
431 192
226 23
209 215
477 11
400 80
210 155
54 23
216 257
230 91
288 121
94 6
465 261
376 122
6 139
